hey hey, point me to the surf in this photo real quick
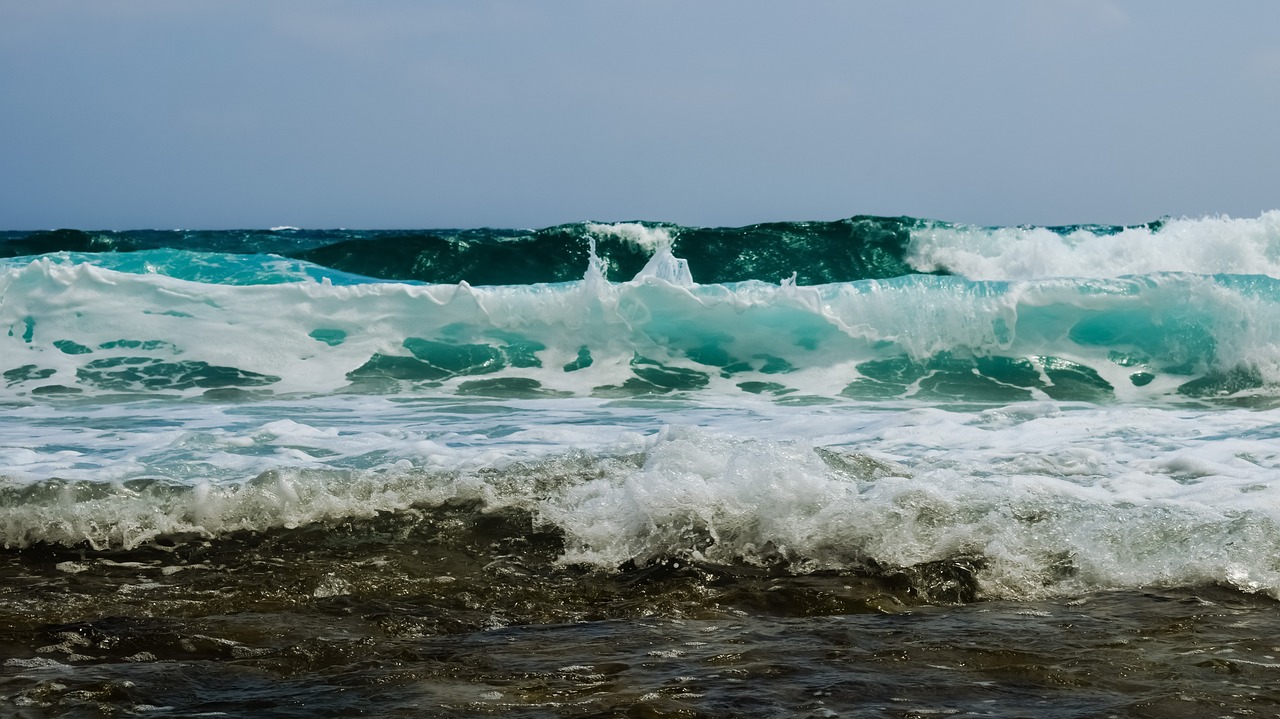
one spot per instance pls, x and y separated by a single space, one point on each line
77 328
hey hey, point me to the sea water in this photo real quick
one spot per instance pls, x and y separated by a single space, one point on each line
873 467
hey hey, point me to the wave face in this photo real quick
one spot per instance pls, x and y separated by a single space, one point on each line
817 252
1059 410
858 248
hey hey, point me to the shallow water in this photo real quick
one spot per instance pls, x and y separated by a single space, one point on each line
455 612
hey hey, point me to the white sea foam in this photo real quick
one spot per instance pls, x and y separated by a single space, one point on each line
1039 508
643 237
1044 498
1210 245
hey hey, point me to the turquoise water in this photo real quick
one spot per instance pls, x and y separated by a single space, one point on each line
871 467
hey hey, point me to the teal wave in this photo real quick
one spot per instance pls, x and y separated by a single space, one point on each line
72 328
814 252
219 268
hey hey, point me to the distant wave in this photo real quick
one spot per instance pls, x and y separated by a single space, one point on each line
818 252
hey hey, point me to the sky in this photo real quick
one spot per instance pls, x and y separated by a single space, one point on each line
216 114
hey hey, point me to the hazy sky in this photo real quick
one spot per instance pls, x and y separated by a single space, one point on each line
413 113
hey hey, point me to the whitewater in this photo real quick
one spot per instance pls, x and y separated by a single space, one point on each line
216 446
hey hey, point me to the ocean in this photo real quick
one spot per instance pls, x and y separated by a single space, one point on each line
875 467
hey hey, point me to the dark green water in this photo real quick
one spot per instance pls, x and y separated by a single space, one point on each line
819 252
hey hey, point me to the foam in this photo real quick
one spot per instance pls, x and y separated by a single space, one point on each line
1042 500
1209 245
645 238
1039 510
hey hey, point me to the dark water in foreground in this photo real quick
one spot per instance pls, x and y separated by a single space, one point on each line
453 612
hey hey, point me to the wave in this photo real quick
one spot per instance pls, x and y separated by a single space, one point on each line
1017 412
816 252
686 494
70 328
819 252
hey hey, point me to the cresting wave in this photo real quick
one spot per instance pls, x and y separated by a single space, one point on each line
71 328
